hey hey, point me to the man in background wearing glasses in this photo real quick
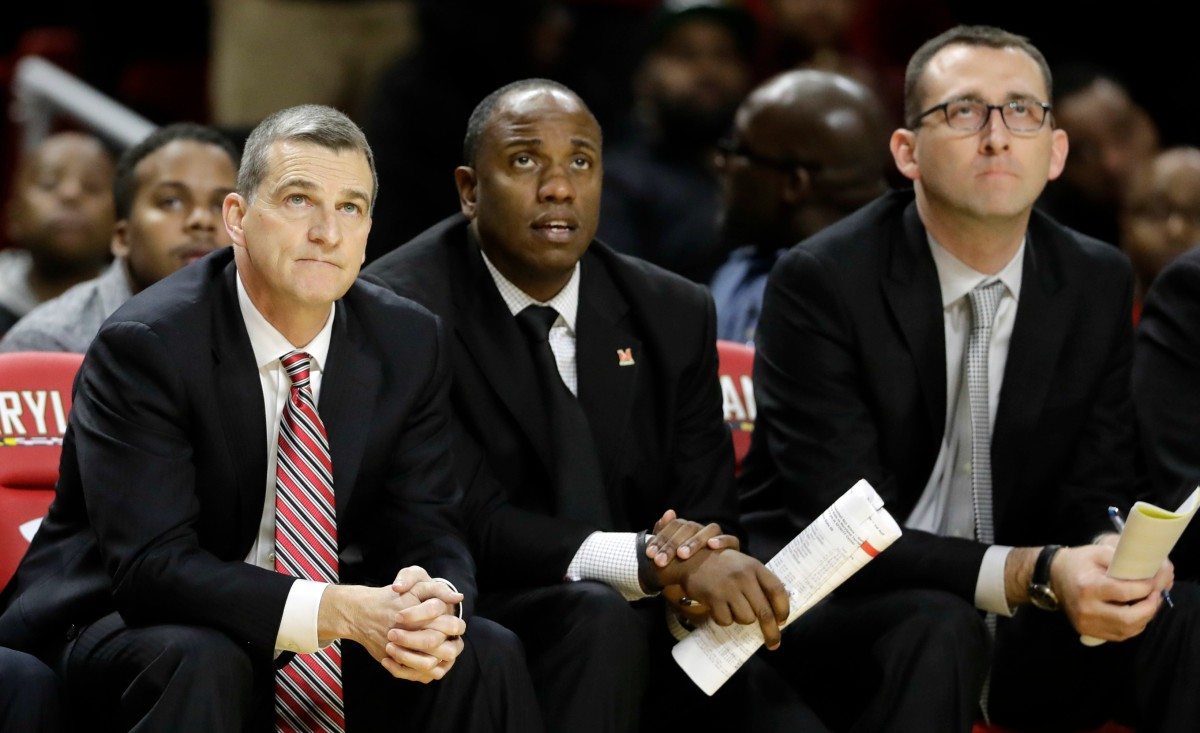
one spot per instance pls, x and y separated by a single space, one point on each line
807 148
970 358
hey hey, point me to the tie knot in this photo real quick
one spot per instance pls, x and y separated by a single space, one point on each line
984 301
536 321
296 364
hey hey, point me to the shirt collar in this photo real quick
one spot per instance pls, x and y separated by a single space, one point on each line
270 345
566 301
957 279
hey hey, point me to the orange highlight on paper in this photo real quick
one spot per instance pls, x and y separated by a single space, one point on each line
866 546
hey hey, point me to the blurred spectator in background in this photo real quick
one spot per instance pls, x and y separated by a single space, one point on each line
816 34
168 193
660 186
1160 218
1110 135
606 44
808 147
867 40
60 218
419 110
270 54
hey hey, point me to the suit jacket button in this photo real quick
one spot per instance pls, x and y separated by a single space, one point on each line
72 632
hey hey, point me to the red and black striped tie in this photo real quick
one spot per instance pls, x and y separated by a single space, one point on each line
308 691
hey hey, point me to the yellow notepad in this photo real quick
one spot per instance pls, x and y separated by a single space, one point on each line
1149 536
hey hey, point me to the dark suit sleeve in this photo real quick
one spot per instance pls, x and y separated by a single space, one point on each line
821 430
422 495
702 488
1166 381
516 548
1101 472
131 418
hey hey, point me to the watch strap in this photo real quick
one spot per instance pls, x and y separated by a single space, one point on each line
1041 569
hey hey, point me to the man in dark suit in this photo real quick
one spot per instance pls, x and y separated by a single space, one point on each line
971 361
1166 395
210 521
571 438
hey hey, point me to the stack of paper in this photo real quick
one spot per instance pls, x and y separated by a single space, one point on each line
831 549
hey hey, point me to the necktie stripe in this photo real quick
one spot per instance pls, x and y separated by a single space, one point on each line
316 508
306 531
308 691
309 453
304 536
307 422
321 511
297 470
306 714
305 563
315 472
304 678
310 443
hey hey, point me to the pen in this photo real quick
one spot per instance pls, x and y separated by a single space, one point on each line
1114 515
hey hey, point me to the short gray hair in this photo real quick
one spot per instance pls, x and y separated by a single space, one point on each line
308 123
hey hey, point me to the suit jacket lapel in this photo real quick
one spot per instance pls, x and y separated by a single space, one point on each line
1043 315
350 386
915 297
494 341
241 405
607 378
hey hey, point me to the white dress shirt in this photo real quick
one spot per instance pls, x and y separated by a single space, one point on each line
946 507
298 627
608 557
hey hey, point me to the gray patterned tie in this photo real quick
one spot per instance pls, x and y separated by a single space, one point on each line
984 301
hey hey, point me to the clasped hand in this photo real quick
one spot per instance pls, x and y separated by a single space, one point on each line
704 565
409 626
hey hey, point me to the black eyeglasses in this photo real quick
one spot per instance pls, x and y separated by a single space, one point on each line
786 165
971 115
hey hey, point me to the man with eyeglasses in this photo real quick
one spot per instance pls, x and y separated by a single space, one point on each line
970 358
807 148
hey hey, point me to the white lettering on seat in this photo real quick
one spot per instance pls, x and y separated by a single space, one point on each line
10 414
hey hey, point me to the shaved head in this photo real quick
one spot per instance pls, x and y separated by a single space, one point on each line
808 148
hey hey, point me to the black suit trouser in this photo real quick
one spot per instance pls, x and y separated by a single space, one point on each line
185 678
29 694
907 661
603 665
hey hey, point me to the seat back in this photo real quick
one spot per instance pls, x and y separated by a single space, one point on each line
737 393
35 399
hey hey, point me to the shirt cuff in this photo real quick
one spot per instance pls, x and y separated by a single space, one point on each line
610 558
298 627
458 611
989 586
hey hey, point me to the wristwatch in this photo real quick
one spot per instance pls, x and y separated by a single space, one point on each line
1040 592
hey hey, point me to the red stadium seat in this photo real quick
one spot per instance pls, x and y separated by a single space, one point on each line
737 393
35 399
